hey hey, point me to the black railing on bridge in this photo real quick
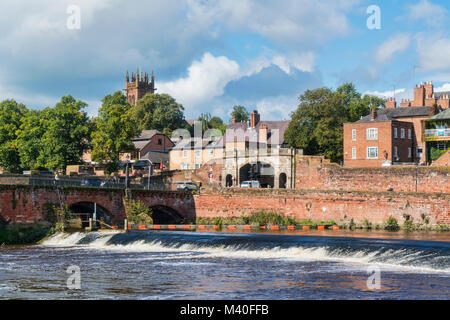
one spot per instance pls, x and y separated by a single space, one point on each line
87 182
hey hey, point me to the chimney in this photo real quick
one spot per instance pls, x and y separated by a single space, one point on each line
233 120
391 103
263 133
373 114
254 118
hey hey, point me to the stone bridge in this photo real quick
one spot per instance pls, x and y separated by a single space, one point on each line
28 204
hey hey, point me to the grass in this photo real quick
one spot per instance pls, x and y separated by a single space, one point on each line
260 218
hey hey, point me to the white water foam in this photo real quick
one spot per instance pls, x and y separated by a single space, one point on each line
391 259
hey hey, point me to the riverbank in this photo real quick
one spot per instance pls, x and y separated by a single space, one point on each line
20 234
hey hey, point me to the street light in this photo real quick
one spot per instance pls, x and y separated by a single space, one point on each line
150 166
126 172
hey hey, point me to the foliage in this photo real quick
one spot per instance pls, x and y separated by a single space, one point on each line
160 112
317 124
435 153
19 234
66 135
114 129
11 114
137 212
57 216
209 122
240 113
391 224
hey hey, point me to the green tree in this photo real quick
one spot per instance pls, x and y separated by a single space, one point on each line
209 122
66 136
11 114
29 138
240 114
160 112
115 127
317 124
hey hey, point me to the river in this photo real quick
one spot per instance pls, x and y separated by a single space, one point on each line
209 265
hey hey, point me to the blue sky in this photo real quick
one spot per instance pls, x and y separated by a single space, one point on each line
213 54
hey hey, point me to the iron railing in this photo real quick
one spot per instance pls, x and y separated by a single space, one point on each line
437 133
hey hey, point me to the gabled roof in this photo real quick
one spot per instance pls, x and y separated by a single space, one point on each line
146 135
389 114
441 94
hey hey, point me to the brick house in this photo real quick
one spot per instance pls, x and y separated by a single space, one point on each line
386 136
152 145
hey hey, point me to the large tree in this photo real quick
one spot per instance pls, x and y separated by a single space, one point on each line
240 114
317 124
66 136
160 112
115 127
11 114
209 122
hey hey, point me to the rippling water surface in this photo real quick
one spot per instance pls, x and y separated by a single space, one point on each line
194 265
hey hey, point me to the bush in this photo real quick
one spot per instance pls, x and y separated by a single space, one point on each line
391 224
137 212
19 234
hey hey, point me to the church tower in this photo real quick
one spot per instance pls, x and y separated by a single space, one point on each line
138 86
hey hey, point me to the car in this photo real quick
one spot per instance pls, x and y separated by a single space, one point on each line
186 186
250 184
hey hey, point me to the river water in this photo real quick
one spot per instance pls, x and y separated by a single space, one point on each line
203 265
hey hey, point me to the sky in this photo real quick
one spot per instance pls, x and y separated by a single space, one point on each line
213 54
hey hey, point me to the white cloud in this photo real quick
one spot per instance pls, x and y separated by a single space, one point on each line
444 87
395 44
433 53
386 94
290 23
206 79
432 14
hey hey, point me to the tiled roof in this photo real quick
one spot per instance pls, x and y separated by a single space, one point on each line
389 114
147 135
441 94
444 115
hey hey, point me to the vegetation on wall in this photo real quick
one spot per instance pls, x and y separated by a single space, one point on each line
137 212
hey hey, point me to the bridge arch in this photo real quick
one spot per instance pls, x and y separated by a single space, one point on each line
85 210
262 171
165 215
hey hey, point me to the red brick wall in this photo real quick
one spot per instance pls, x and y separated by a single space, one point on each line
314 173
322 205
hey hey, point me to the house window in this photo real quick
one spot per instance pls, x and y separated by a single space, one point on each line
353 153
198 165
185 153
372 153
372 134
197 153
354 135
395 133
402 133
185 166
409 153
395 152
159 142
211 153
409 134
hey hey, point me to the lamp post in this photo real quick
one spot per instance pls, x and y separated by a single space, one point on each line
126 172
150 166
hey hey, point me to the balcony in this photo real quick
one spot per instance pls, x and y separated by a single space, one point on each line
437 134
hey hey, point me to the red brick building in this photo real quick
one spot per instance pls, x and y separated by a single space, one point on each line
386 136
424 95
